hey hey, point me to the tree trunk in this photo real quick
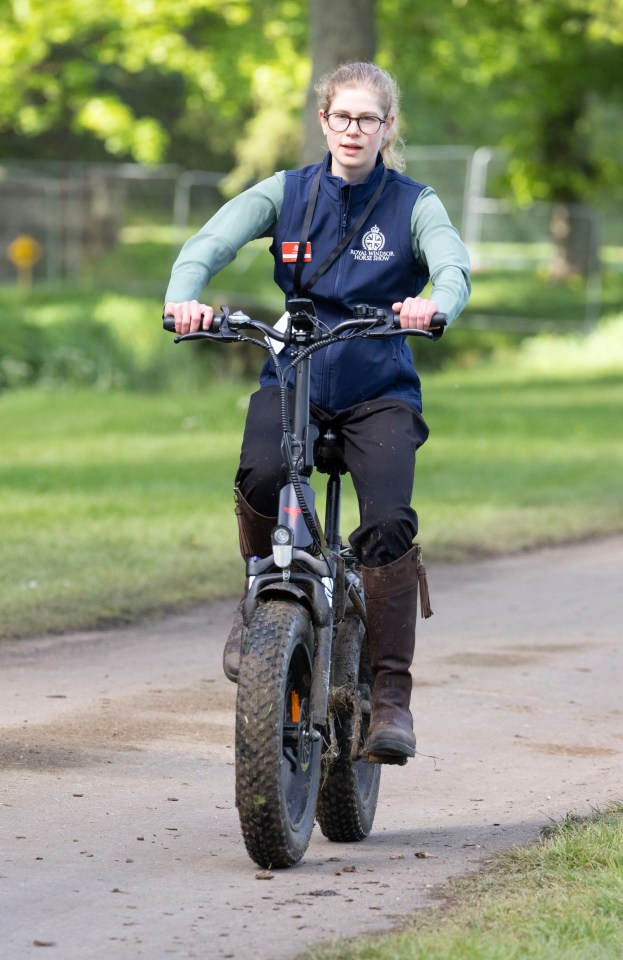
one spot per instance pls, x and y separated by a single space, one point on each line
572 223
573 227
339 30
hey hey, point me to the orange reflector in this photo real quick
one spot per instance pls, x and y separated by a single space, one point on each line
295 705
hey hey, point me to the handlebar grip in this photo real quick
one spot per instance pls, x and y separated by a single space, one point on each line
168 323
438 322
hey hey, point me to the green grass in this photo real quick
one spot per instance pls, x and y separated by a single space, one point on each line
60 337
119 504
530 296
114 505
117 466
105 330
519 462
141 263
560 899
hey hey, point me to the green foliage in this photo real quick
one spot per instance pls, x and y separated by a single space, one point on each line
174 79
202 82
105 341
600 353
537 77
114 339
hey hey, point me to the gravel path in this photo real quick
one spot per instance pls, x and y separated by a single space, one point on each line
120 837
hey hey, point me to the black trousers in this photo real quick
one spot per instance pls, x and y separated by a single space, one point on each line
380 442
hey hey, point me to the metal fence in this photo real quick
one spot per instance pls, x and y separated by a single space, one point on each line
76 212
502 235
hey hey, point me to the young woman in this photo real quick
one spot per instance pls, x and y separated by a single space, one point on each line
368 390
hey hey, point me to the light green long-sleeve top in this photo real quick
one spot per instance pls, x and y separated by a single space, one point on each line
255 212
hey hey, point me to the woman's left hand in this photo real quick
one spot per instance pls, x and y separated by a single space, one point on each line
416 312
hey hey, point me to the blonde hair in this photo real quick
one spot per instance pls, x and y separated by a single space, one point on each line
361 74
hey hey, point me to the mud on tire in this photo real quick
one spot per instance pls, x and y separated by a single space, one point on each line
277 764
350 788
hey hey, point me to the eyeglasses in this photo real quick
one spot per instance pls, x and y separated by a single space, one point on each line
340 122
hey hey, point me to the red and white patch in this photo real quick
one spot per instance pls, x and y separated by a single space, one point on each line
289 252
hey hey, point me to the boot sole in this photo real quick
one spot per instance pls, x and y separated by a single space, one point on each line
398 760
390 748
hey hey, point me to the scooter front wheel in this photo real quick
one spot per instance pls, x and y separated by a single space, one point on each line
277 760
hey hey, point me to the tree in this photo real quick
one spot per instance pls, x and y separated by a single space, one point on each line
192 81
166 79
541 73
216 83
339 30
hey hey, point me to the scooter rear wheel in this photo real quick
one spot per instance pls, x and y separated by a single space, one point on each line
350 786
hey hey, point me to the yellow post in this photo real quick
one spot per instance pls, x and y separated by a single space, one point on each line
24 252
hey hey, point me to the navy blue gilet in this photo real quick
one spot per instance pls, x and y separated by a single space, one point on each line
377 267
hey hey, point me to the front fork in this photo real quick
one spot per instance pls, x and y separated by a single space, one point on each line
310 584
307 579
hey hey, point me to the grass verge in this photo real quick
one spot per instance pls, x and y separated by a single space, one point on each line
119 504
560 899
114 505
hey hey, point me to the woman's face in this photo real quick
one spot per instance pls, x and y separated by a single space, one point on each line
354 153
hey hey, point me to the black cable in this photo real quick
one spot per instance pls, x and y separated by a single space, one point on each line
290 456
287 451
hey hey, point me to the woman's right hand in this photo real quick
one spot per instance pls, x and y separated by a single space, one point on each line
190 315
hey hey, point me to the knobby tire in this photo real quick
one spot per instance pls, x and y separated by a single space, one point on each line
350 788
277 768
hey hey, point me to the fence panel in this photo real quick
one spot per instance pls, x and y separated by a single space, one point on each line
78 213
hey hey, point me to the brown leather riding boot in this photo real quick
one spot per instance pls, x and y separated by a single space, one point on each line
391 594
254 533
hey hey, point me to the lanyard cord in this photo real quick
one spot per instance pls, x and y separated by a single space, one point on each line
309 213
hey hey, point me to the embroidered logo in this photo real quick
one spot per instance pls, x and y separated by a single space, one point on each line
373 246
373 240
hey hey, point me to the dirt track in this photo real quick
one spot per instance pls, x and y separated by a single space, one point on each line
120 836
